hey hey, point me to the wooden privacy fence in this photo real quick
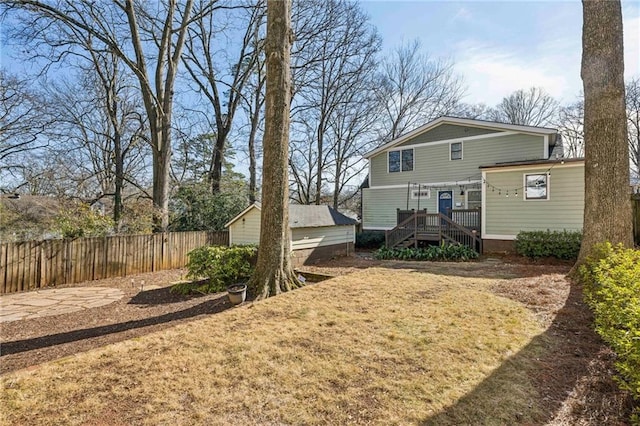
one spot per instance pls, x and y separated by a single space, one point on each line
30 265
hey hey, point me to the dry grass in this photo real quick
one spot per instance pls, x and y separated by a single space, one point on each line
378 346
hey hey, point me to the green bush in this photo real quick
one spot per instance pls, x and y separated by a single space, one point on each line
369 239
611 280
563 245
81 221
218 267
446 252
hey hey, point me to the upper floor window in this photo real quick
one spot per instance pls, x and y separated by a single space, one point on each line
536 187
456 150
401 161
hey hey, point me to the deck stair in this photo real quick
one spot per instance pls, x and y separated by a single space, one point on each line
456 227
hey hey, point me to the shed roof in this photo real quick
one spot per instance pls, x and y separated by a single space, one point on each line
307 216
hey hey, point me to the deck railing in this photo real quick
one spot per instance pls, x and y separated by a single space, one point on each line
437 226
457 233
469 218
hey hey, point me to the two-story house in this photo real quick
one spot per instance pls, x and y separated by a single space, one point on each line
495 179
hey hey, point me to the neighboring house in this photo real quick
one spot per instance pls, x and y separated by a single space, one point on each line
317 232
492 178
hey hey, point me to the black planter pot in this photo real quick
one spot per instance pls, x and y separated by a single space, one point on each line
237 293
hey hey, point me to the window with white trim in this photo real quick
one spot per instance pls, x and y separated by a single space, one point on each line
421 194
536 187
474 199
400 161
455 149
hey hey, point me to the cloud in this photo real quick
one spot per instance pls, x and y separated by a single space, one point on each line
551 59
494 72
631 29
463 14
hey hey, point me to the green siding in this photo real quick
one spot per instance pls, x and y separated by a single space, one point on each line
432 164
563 209
448 131
379 205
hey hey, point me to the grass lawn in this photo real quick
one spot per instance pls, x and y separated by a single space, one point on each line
380 346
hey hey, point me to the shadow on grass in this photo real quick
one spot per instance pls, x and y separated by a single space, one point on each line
161 296
491 269
209 307
530 386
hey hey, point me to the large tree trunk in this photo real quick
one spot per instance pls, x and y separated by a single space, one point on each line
119 178
161 169
274 273
215 168
607 209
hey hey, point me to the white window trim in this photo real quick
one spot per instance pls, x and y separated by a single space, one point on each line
466 197
524 187
414 193
461 150
400 151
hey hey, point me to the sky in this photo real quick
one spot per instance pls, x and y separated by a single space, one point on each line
502 46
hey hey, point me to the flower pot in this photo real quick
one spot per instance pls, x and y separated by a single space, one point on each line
237 293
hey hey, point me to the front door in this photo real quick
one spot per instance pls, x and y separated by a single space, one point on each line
445 201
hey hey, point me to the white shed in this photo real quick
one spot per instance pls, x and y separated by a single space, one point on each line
317 232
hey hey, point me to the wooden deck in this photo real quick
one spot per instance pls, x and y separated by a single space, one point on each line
458 227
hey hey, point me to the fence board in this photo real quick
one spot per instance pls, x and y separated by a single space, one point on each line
3 267
36 264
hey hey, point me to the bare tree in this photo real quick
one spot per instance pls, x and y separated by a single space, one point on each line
99 131
473 111
147 38
343 58
21 121
633 124
607 209
274 273
253 106
222 84
352 135
533 107
570 124
413 89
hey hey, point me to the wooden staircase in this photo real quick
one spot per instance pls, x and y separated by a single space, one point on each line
423 226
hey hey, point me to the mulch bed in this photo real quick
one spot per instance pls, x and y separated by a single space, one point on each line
573 374
142 310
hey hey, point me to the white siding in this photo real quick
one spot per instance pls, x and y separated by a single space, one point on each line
306 238
246 230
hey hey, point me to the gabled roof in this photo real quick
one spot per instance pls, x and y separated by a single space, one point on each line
303 216
533 130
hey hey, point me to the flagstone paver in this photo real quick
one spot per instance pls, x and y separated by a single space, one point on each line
42 303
